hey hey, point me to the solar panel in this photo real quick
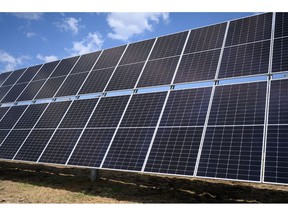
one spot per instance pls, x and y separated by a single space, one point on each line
240 104
30 117
232 153
243 60
3 134
29 74
3 77
125 77
86 62
278 113
4 90
198 66
158 72
206 38
12 117
46 70
50 88
92 147
108 112
137 52
14 93
12 143
129 149
31 90
174 150
255 28
60 147
96 81
186 107
53 114
281 25
280 55
109 57
3 111
144 110
14 77
170 45
276 154
65 66
72 84
78 113
34 145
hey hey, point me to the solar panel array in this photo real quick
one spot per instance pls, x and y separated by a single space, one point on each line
232 131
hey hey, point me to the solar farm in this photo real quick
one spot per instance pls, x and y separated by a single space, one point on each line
206 104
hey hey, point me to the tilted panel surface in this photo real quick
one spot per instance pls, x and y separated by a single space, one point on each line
280 55
281 25
12 79
4 90
3 134
29 74
86 62
92 147
14 93
60 146
174 151
46 70
65 66
3 77
3 111
50 88
31 90
12 117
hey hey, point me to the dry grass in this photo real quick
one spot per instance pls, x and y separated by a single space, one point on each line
30 183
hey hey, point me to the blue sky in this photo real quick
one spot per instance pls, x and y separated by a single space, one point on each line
33 38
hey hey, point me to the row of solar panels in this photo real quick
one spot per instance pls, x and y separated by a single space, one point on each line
117 132
246 52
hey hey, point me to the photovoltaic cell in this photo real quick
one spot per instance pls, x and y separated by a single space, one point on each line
14 93
31 90
206 38
50 88
4 90
3 77
53 114
96 81
174 151
29 74
12 143
280 55
86 62
14 77
243 60
12 117
137 52
3 111
46 70
240 104
72 84
186 107
34 145
249 29
65 66
30 116
91 148
108 112
281 25
3 134
158 72
129 149
170 45
276 163
109 57
198 66
232 153
278 112
125 77
60 146
78 113
144 110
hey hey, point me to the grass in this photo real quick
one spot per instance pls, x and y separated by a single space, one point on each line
33 183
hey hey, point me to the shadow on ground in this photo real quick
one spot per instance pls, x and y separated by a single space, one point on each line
142 188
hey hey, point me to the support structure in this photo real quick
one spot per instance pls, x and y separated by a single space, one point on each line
94 175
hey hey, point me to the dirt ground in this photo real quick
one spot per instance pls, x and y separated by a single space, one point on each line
30 183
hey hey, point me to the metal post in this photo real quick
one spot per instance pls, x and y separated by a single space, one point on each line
94 175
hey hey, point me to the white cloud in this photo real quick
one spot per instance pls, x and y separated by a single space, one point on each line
45 59
90 43
11 62
28 16
126 25
69 24
30 34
